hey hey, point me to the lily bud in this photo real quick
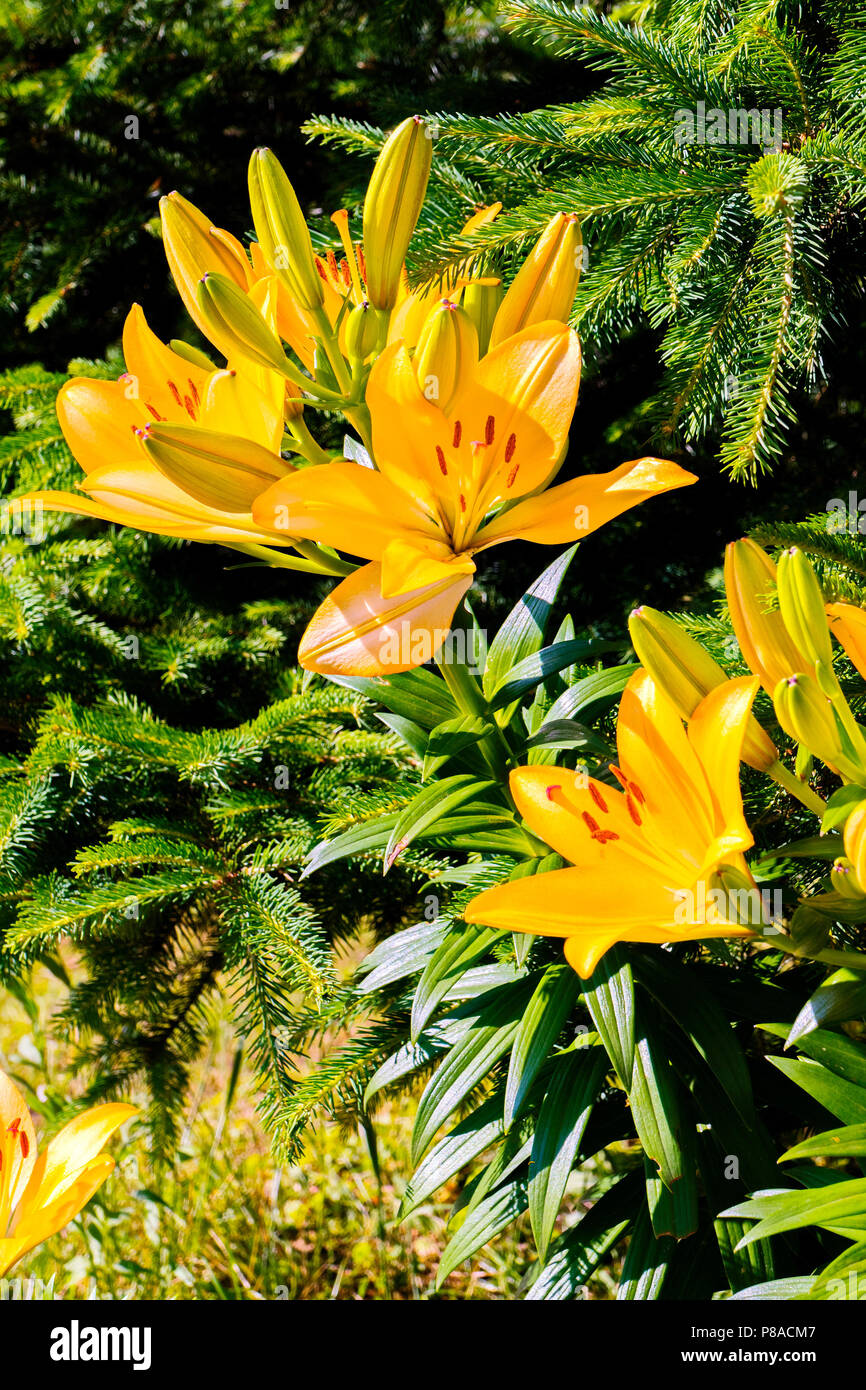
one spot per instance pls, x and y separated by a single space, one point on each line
686 673
447 352
546 283
220 470
192 354
848 626
363 330
392 206
801 604
281 229
481 301
194 246
767 647
807 716
844 878
235 325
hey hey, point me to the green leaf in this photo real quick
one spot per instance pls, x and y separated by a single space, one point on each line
656 1112
431 804
400 955
847 1142
539 1028
413 1055
490 1035
412 734
609 996
842 1055
459 1147
839 1205
646 1262
591 693
840 998
840 805
536 667
840 1097
522 633
496 1211
461 946
561 1122
781 1290
704 1022
451 737
417 695
369 835
583 1246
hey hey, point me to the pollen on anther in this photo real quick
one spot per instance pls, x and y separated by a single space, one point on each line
462 503
636 793
25 1143
153 410
193 392
597 797
458 434
510 447
632 809
489 430
174 391
509 481
189 407
620 777
441 457
591 824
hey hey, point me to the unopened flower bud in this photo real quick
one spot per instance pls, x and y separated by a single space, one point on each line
801 604
767 647
220 470
392 206
481 301
235 325
686 673
194 246
807 716
363 332
281 229
545 286
447 353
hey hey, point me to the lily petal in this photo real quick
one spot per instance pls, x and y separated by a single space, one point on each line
358 632
572 510
717 732
408 565
71 1150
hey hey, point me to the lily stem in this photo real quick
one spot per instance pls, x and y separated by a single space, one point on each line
783 777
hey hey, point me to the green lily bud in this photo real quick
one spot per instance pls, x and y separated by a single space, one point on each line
481 301
392 206
446 354
363 332
801 604
235 325
807 716
281 229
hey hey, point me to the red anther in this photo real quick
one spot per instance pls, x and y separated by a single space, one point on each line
462 503
597 797
14 1127
345 273
153 410
510 447
632 810
623 781
321 269
489 430
190 408
332 264
194 393
25 1143
135 429
592 825
458 433
512 475
605 835
362 264
557 787
174 391
441 457
636 793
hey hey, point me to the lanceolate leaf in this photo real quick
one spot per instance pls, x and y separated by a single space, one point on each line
590 693
539 1028
841 1098
401 955
464 1143
522 633
463 945
536 667
646 1262
559 1129
609 996
433 803
583 1246
492 1215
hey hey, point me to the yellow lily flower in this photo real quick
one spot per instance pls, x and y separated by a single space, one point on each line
41 1193
848 626
855 840
545 285
650 855
107 425
450 483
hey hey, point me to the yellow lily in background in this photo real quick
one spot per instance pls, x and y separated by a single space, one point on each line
108 426
450 482
41 1193
651 854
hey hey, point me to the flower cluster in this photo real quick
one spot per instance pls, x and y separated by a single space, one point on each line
458 396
